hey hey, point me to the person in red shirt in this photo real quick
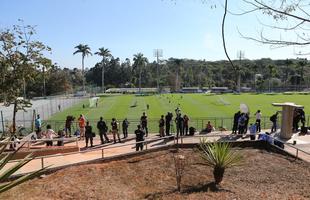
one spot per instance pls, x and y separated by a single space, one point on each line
82 123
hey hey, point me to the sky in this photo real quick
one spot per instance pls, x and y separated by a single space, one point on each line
181 28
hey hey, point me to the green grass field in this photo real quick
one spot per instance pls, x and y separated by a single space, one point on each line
196 106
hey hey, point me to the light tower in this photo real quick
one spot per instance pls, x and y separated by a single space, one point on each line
157 53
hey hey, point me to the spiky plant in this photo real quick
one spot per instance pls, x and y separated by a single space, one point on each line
219 156
5 174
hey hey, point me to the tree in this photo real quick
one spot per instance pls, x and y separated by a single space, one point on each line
139 63
287 16
19 57
105 54
219 156
84 49
272 73
178 63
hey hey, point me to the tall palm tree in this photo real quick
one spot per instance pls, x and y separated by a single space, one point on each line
85 50
105 54
178 62
139 62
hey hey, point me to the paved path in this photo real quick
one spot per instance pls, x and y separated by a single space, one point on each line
110 149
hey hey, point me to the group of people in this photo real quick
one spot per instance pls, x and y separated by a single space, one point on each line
241 123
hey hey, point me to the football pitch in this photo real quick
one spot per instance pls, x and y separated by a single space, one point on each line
196 106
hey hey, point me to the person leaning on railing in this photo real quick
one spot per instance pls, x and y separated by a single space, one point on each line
49 134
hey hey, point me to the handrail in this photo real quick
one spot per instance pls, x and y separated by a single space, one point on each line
290 145
91 150
41 140
147 141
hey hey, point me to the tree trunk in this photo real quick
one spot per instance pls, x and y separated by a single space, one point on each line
102 77
140 81
14 118
83 73
218 174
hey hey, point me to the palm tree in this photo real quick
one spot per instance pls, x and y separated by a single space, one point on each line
139 62
105 54
178 62
271 75
219 156
85 50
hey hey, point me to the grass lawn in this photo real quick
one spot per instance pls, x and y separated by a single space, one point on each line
194 105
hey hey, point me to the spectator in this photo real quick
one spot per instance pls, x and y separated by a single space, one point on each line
82 126
247 119
185 124
253 130
162 127
49 134
139 138
241 123
61 136
168 119
38 126
258 116
103 128
88 134
143 122
68 125
125 125
115 132
179 124
274 119
236 119
209 127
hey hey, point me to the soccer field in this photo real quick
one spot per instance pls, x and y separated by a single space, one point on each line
196 106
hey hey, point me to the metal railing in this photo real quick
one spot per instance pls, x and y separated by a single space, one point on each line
198 123
145 143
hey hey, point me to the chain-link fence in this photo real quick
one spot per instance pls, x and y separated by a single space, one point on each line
44 107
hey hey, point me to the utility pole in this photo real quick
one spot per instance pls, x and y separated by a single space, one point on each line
158 53
240 55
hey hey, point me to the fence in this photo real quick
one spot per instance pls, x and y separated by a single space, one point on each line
45 107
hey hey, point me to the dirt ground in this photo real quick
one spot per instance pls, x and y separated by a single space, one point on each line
263 175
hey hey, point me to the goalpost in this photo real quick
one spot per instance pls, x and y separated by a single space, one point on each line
93 101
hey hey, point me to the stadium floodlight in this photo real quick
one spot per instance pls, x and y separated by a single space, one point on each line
157 53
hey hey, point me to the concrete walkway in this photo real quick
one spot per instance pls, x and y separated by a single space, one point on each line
110 149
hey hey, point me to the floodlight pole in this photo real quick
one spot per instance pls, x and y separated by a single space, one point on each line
158 53
240 55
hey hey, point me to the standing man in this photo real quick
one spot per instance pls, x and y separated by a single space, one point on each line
88 134
258 116
139 138
38 126
115 132
82 123
162 127
274 119
241 124
236 119
125 125
168 118
68 124
143 122
185 124
179 124
102 127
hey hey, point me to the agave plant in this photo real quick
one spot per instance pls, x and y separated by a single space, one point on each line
5 174
219 156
